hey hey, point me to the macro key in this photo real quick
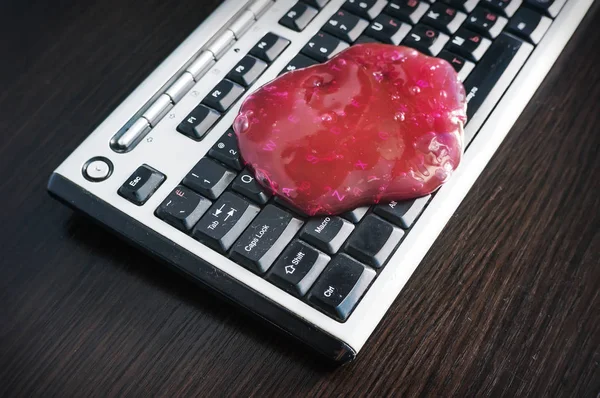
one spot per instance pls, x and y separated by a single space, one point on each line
140 186
387 29
247 71
486 22
246 185
444 18
373 241
199 122
298 62
340 287
223 95
323 46
298 17
183 208
425 39
225 221
265 239
469 44
226 150
345 25
269 47
410 11
403 213
297 268
208 178
327 233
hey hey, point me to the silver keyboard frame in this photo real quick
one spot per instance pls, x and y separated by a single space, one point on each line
175 154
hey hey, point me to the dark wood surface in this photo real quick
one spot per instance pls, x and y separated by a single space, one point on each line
506 302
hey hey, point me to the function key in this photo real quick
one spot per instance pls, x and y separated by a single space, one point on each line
298 62
183 208
340 287
317 3
140 186
225 222
485 22
208 178
469 44
425 39
462 5
226 150
223 95
460 65
365 8
327 233
269 47
263 241
298 17
506 8
247 71
198 122
323 46
387 29
345 26
246 184
297 268
548 7
373 241
529 25
444 18
402 213
410 11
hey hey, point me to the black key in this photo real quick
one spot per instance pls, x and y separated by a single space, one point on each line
340 287
387 29
287 205
208 178
323 46
199 122
298 62
462 5
247 71
460 65
373 241
469 44
297 268
356 214
246 184
529 25
327 233
365 39
346 26
183 208
226 150
548 7
485 22
225 222
317 3
298 17
269 47
506 8
140 186
365 8
265 239
444 18
223 95
410 11
402 213
425 39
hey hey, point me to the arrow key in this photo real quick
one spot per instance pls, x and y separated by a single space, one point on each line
297 268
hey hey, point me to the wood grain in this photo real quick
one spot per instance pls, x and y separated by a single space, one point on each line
506 303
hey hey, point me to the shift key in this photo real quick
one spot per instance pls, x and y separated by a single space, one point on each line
263 241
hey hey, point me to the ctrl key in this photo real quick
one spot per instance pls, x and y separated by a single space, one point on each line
340 287
140 186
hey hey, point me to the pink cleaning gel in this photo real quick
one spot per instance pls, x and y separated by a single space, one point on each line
375 123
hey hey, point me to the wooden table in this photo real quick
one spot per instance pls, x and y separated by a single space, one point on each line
506 302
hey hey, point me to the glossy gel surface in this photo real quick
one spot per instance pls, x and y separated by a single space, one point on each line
374 124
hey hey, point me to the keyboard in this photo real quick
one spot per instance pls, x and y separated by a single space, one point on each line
164 169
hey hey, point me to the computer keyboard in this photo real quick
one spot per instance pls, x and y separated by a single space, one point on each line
164 170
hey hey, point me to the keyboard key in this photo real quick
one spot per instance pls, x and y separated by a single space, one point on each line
288 206
485 22
425 39
387 29
246 184
444 18
208 178
506 8
340 287
373 241
226 150
356 214
548 7
247 71
317 3
529 25
223 95
460 65
469 44
298 62
140 186
297 268
402 213
263 241
365 39
225 221
269 47
183 208
327 233
410 11
462 5
345 26
198 122
298 17
368 9
323 46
